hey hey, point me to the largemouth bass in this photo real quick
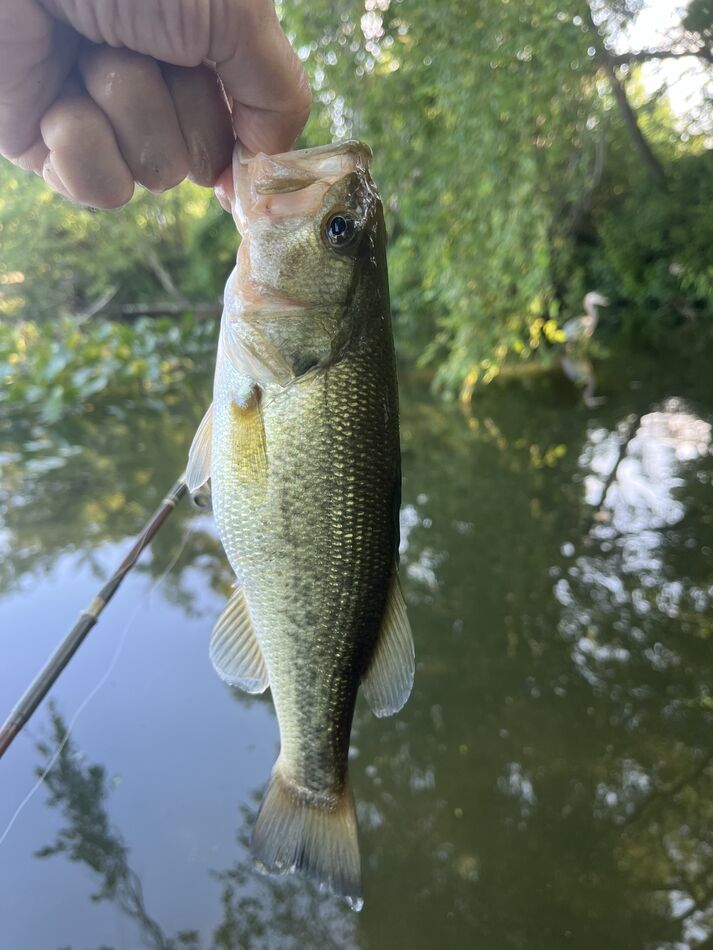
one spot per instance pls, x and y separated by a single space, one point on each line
301 446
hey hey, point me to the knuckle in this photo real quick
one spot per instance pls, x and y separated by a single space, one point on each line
188 29
104 70
68 123
231 21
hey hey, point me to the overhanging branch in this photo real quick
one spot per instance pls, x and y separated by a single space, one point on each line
650 162
651 55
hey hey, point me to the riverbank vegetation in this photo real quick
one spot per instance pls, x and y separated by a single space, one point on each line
526 154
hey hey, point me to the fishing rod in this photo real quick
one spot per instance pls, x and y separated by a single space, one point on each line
49 674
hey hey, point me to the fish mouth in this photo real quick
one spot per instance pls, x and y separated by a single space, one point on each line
291 183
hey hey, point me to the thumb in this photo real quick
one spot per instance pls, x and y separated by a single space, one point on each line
266 81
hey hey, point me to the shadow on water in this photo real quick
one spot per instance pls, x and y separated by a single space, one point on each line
550 783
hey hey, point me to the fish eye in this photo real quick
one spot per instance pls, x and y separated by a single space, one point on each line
339 229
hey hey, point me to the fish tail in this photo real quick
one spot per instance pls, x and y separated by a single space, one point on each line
316 835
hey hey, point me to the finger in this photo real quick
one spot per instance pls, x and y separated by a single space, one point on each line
268 84
204 119
258 67
130 90
225 191
33 158
49 173
36 54
84 161
176 32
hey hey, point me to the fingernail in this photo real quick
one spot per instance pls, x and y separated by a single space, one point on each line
224 198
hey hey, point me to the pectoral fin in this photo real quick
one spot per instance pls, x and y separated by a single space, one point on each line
248 432
389 678
198 470
234 650
253 355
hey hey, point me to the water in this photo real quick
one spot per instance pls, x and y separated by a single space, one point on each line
549 783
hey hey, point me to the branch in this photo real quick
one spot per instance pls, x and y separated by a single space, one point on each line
161 308
163 276
631 431
99 304
649 55
649 160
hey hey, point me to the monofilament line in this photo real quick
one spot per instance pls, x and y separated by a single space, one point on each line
143 601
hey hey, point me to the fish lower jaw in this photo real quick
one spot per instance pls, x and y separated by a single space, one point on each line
246 294
255 297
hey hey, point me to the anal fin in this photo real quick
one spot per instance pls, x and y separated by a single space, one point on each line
388 680
234 650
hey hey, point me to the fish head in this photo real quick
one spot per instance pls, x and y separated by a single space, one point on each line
311 222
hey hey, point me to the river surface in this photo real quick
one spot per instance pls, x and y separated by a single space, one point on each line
549 784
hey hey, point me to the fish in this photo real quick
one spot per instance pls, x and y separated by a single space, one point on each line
300 447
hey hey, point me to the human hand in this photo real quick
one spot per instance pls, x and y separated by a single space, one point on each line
96 95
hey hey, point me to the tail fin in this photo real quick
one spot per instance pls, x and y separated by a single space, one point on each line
295 831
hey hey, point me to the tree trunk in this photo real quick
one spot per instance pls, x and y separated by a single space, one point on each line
652 165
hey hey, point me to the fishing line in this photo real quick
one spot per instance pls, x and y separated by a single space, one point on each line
142 603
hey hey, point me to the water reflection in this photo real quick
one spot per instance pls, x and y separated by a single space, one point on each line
80 791
90 481
256 912
636 609
550 782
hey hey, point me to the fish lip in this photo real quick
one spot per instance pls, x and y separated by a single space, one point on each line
351 146
263 183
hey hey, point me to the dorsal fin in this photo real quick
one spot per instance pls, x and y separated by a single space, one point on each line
198 470
389 678
234 650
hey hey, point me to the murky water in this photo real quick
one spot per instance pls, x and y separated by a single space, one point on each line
549 783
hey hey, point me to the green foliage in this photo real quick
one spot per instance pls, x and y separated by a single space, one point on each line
54 367
510 176
699 20
57 257
478 114
490 124
654 253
